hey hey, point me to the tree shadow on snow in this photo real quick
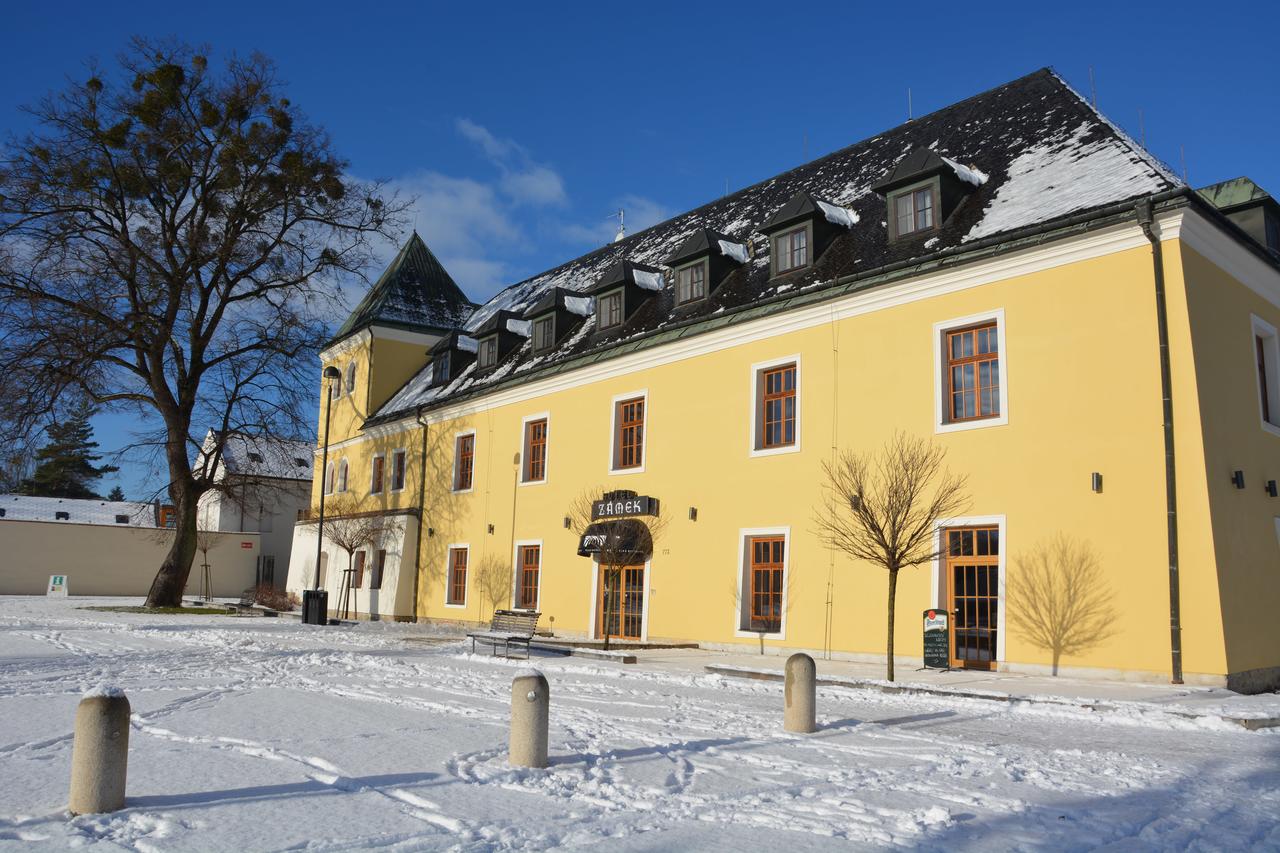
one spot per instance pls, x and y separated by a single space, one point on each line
309 787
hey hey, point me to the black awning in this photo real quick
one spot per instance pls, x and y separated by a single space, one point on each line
623 541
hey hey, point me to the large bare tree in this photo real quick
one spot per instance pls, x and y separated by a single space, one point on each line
614 548
883 508
171 242
1059 599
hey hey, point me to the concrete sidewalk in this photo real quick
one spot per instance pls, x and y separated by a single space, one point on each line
1257 711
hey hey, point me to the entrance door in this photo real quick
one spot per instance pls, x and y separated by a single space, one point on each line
973 579
620 603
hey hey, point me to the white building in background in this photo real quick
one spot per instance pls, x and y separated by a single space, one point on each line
263 483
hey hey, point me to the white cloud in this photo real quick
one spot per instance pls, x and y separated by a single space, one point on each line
640 212
523 180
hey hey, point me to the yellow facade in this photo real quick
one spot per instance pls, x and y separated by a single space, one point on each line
1081 369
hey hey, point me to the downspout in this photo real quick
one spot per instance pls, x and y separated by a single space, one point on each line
422 514
1170 468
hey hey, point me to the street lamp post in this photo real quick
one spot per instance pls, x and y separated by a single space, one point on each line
315 609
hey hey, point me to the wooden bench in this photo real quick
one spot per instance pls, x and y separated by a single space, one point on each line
508 628
248 598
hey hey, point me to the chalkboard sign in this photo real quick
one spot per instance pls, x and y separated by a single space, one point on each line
937 651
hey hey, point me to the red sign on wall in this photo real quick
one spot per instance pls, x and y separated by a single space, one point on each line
247 545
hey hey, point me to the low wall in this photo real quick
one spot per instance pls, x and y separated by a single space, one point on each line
102 560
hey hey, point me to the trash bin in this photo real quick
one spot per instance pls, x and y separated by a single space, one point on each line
315 607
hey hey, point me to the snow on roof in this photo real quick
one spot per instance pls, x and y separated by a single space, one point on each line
262 456
77 511
838 215
737 251
468 344
1044 152
649 280
523 328
968 174
580 305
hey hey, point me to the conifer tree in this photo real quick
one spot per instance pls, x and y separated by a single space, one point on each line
117 494
65 466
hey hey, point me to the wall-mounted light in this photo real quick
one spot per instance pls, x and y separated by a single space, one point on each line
1237 479
1097 482
490 529
1271 488
693 513
567 523
431 531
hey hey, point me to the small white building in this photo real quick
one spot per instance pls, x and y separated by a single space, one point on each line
262 484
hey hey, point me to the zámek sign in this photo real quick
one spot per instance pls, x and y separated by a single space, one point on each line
623 504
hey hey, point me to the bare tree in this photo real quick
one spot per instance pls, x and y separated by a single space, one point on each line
615 548
1059 599
493 582
352 530
205 541
883 507
172 240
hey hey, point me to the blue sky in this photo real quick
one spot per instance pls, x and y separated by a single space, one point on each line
521 129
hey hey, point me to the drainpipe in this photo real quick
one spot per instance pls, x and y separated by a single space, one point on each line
422 513
1170 469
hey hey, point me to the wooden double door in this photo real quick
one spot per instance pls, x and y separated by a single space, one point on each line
620 602
973 581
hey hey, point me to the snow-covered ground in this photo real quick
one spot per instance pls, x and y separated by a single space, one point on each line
263 734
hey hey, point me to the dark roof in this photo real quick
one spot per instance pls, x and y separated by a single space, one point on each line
1040 154
415 292
552 300
620 272
704 241
495 323
799 206
919 164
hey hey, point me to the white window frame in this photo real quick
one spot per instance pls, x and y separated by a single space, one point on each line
702 264
755 423
546 449
483 345
743 558
1260 328
373 469
349 377
402 452
453 481
642 394
329 483
593 632
448 574
516 570
938 581
343 476
940 405
622 314
805 226
533 333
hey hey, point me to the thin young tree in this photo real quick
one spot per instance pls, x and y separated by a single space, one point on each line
614 549
353 530
1059 599
172 240
883 508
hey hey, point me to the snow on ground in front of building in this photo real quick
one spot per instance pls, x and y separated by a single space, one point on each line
254 734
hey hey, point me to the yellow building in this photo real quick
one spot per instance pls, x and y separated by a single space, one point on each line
1093 343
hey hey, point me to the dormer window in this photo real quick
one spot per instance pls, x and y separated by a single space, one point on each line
544 333
488 353
913 210
611 310
441 367
691 282
791 250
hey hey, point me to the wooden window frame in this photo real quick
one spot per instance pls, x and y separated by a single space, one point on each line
488 344
688 269
776 254
755 422
358 560
975 359
933 187
379 567
464 462
451 579
942 372
744 626
602 312
523 573
343 478
327 485
952 560
780 396
1265 356
533 456
400 469
377 474
619 432
538 325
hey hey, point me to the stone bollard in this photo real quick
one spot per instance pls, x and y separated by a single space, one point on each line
800 691
530 713
100 752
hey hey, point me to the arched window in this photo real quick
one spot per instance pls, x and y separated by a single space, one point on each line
342 476
328 479
335 387
351 378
